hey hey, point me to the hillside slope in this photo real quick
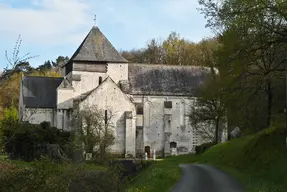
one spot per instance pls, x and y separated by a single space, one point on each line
258 161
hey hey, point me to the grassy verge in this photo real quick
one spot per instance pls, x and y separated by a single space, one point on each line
259 162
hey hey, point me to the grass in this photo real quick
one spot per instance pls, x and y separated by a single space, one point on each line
85 166
258 161
45 175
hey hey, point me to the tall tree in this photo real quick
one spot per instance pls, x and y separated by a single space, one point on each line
208 116
174 50
252 55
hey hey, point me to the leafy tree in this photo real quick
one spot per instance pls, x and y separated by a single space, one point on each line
154 53
270 16
46 66
251 58
10 114
61 60
134 55
53 65
174 50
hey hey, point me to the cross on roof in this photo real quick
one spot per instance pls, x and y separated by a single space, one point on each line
95 19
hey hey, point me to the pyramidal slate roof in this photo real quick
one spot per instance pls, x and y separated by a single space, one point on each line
40 92
96 47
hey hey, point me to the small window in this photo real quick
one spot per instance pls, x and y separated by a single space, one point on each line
106 117
139 108
100 80
168 104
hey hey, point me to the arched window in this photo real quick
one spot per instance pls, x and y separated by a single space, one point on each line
182 114
173 144
100 80
146 112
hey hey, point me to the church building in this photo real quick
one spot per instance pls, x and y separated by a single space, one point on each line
150 103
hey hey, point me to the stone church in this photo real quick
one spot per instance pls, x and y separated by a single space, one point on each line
150 102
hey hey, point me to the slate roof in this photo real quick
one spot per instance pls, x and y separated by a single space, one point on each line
40 92
156 79
96 47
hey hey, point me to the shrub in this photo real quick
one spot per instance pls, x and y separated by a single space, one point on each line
22 140
10 113
48 176
203 147
93 181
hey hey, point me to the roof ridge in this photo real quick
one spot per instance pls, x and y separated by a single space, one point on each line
43 77
159 64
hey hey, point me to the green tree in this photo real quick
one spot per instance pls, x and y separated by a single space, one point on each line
46 66
174 50
252 57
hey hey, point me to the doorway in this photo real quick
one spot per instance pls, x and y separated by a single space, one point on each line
147 150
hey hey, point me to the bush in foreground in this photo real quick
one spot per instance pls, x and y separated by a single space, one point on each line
47 176
26 141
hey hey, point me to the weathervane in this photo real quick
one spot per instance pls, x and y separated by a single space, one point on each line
95 20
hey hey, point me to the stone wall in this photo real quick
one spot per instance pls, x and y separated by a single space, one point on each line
65 98
37 116
88 81
109 97
118 71
168 122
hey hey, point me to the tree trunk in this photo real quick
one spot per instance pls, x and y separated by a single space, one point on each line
269 102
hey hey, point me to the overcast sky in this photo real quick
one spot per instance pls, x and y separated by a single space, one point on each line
50 28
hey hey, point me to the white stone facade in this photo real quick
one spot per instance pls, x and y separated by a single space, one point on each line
37 116
159 121
142 122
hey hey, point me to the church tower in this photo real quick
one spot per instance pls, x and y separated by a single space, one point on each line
94 60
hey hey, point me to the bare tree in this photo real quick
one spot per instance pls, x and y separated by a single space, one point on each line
16 59
209 114
96 130
16 62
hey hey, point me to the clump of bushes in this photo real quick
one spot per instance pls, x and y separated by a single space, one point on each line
203 147
47 176
22 140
